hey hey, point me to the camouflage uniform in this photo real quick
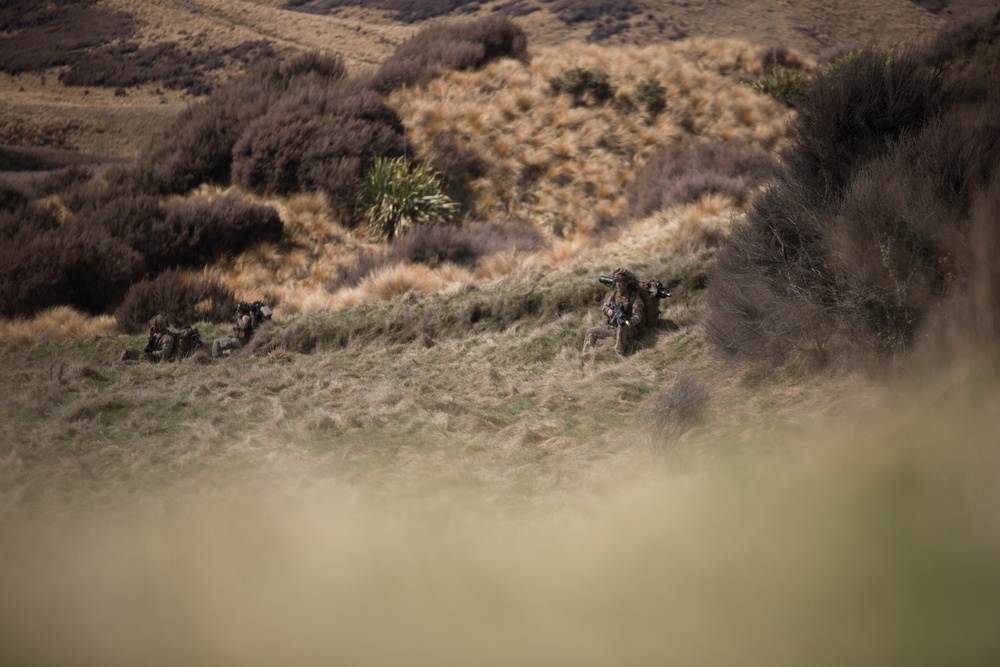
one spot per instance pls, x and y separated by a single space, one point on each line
243 328
159 346
629 297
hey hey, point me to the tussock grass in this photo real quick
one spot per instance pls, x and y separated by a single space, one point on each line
59 323
565 166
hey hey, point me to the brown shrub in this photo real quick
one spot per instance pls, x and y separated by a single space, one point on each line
39 36
317 137
860 240
11 198
404 11
682 172
126 64
198 147
667 414
455 46
183 298
186 233
44 262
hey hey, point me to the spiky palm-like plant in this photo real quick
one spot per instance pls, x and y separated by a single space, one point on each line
396 194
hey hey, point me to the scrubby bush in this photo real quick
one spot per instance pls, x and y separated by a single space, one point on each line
317 137
864 234
669 413
198 147
187 233
682 172
396 194
583 84
458 164
464 45
45 262
11 198
182 297
578 11
38 36
126 64
436 244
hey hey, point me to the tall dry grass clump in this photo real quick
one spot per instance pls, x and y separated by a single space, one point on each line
58 323
565 167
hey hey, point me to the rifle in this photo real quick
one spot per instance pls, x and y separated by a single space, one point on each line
150 346
617 316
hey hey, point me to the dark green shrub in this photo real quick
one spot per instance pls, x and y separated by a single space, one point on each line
582 85
651 96
184 298
784 84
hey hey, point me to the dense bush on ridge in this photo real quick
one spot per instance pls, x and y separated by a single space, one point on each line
91 259
317 138
198 147
865 232
463 45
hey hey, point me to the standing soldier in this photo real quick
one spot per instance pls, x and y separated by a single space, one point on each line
159 345
632 307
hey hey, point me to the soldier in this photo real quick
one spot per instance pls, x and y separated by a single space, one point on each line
243 329
159 345
632 307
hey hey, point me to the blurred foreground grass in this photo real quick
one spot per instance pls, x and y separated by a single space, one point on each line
491 499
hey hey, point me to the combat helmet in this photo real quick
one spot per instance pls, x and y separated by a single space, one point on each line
159 323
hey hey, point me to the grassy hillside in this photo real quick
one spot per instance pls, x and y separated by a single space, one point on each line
414 463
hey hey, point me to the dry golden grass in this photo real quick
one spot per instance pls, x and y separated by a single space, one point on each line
60 323
564 167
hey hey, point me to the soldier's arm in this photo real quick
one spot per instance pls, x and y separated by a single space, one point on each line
166 348
638 311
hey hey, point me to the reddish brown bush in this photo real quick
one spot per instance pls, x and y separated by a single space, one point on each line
864 234
463 45
187 233
41 35
682 172
45 263
198 147
317 137
125 65
183 298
